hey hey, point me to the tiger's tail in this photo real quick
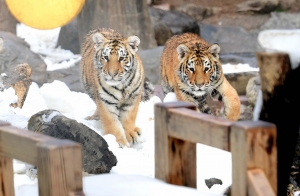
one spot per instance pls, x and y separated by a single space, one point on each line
148 91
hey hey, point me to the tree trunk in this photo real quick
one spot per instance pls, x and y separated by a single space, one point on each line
7 20
281 106
129 17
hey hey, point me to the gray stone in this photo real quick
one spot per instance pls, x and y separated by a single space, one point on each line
16 51
151 63
260 6
212 181
240 80
252 89
68 37
231 39
97 158
198 12
282 20
177 21
162 32
70 76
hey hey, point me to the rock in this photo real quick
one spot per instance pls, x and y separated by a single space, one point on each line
231 39
252 89
240 80
68 37
246 113
70 76
282 20
97 158
162 32
176 21
212 181
198 12
260 6
151 63
16 51
20 81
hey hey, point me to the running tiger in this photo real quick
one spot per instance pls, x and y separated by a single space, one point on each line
190 67
113 76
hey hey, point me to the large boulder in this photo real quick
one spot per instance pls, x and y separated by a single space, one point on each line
16 51
97 158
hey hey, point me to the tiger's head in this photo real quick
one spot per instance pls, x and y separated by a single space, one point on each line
114 57
198 66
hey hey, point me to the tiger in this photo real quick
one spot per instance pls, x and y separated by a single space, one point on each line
113 76
190 67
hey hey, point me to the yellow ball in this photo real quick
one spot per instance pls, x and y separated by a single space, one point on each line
45 14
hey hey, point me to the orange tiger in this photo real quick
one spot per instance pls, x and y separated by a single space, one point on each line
191 68
113 76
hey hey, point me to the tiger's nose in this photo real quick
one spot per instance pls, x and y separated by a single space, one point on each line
113 74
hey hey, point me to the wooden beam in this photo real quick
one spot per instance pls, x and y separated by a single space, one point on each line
20 144
59 168
197 127
259 184
175 159
6 177
253 145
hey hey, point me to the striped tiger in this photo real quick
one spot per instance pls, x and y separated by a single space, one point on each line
113 76
190 67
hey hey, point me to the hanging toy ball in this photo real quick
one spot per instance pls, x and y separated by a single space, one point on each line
45 14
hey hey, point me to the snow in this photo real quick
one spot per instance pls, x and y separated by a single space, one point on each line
135 167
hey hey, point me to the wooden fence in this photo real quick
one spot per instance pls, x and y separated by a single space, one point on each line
178 127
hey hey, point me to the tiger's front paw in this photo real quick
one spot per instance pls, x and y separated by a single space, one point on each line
122 141
135 137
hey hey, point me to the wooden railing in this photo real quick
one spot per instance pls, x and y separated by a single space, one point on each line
59 161
178 127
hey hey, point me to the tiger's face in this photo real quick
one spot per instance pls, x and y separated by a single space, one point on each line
197 66
114 57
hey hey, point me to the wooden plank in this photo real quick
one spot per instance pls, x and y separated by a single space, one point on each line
59 168
6 177
259 184
197 127
253 145
20 144
162 168
182 163
4 123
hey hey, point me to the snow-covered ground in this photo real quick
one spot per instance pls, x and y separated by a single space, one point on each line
211 162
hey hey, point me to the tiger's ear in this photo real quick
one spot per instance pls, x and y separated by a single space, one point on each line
182 50
98 39
214 50
133 42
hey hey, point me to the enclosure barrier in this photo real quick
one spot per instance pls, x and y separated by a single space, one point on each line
178 127
59 161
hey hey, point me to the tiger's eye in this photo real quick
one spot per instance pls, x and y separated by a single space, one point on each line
121 58
106 58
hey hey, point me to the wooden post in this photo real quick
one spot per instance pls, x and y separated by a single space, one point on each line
6 173
280 104
258 183
175 159
59 168
253 145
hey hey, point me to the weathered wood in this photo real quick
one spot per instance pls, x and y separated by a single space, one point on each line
167 150
280 102
4 123
6 177
253 145
20 144
182 163
258 183
59 167
197 127
129 17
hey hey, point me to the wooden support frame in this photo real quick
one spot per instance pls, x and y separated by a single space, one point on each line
178 127
59 162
